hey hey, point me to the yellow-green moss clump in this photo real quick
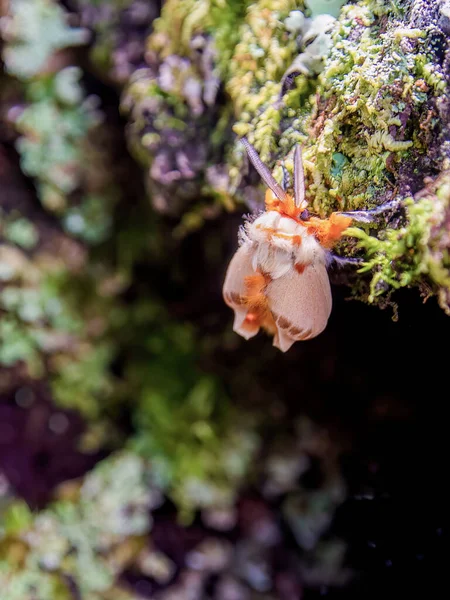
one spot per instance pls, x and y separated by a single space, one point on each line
416 253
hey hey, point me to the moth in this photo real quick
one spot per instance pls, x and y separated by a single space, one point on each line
278 279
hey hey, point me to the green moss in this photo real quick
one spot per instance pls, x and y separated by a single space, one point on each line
197 449
180 20
398 257
17 519
62 146
57 318
414 254
265 50
290 45
372 95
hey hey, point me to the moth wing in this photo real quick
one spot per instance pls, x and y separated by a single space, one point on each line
300 304
234 289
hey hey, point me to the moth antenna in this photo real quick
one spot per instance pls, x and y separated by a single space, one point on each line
286 183
299 178
264 172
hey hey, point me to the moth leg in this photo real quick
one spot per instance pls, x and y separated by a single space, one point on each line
342 262
368 216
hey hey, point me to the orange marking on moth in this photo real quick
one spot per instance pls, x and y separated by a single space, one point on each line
251 322
328 231
271 232
259 314
255 286
299 267
287 208
251 318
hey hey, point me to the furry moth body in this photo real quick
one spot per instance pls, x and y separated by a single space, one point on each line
278 280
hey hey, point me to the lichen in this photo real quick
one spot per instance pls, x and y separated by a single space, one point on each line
176 126
18 230
34 31
53 127
58 124
69 543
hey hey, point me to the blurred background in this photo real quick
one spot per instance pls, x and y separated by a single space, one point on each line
146 450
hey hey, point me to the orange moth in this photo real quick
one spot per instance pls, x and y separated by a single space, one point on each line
278 280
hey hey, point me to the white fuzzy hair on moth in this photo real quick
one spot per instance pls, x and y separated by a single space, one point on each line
277 279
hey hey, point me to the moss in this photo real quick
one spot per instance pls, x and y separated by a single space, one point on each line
248 62
259 60
90 221
414 254
181 20
292 45
372 97
83 381
59 126
177 127
198 449
55 325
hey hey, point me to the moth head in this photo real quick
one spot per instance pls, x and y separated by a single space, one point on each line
277 195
